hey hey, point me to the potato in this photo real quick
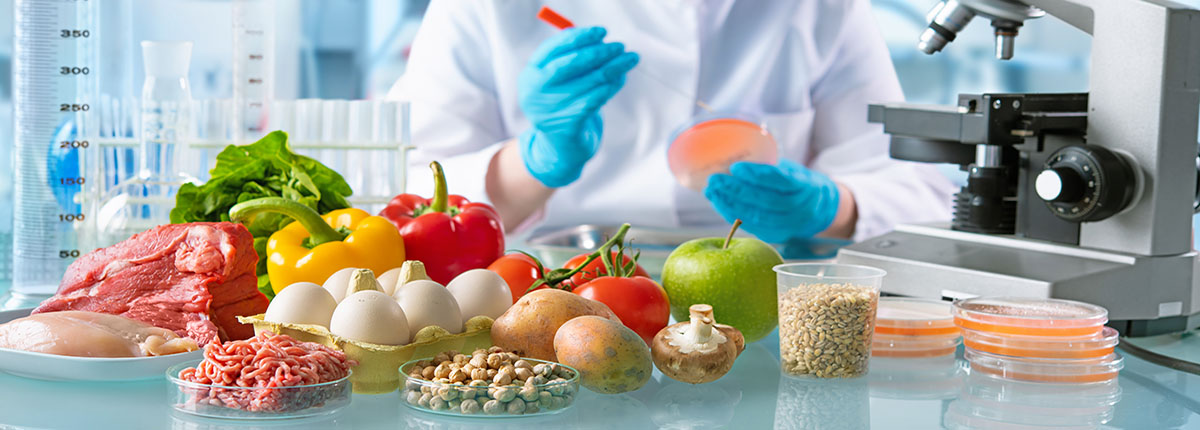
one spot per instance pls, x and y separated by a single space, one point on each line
528 327
610 357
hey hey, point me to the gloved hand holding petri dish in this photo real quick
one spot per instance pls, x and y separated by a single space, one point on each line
710 143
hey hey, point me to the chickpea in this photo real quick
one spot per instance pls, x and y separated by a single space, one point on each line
479 374
505 394
437 404
479 361
466 393
451 353
540 380
532 408
503 377
494 360
511 369
447 393
524 373
425 389
556 388
470 407
493 407
495 349
516 407
541 369
413 397
441 357
441 371
428 372
522 364
491 373
453 404
412 385
529 393
457 375
460 359
424 400
479 351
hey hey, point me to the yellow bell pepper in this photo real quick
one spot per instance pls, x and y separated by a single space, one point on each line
314 246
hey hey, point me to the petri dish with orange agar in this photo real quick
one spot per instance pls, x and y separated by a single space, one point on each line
1073 371
1080 347
914 317
709 144
1030 316
913 346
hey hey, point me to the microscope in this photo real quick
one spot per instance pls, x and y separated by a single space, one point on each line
1085 196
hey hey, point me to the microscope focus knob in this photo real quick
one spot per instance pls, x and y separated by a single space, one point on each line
1086 183
1060 184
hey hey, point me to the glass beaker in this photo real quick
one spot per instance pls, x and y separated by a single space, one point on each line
144 201
826 318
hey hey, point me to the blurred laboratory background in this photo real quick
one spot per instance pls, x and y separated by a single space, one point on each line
356 49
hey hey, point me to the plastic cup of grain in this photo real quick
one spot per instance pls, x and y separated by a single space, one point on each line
710 143
826 318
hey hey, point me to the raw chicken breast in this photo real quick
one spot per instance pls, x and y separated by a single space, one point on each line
90 334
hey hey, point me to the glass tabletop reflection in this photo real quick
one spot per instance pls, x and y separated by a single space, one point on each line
898 393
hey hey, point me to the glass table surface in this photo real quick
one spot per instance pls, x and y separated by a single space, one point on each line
897 394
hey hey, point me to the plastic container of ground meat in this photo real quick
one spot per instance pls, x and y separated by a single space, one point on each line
255 403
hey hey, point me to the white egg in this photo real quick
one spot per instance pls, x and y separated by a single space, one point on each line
388 280
372 317
428 303
301 303
336 283
480 292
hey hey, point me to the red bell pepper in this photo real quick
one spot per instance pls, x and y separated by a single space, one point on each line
447 233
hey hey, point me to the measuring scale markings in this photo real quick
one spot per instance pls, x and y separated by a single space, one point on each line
53 79
252 43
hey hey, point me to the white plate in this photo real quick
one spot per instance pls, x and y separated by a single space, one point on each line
66 368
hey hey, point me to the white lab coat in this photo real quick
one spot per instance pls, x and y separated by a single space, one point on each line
807 67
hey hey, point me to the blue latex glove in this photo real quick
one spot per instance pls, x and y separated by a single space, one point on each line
561 90
775 203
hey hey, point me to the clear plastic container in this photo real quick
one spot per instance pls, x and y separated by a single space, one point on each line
489 401
1030 316
915 317
710 143
1080 347
884 345
255 403
826 318
1073 371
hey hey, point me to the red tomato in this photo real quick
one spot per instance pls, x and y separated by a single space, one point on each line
518 270
640 302
596 266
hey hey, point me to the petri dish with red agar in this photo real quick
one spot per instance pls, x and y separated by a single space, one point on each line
710 143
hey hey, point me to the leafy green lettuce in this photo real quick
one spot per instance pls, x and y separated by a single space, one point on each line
267 168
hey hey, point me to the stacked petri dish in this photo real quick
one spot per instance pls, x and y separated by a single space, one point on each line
914 328
1038 340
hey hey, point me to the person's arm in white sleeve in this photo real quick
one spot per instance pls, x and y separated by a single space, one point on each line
456 117
853 152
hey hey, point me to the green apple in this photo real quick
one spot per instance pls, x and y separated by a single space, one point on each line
735 276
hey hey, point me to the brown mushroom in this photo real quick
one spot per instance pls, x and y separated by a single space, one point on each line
693 351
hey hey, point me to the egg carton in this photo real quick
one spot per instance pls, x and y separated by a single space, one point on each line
378 370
